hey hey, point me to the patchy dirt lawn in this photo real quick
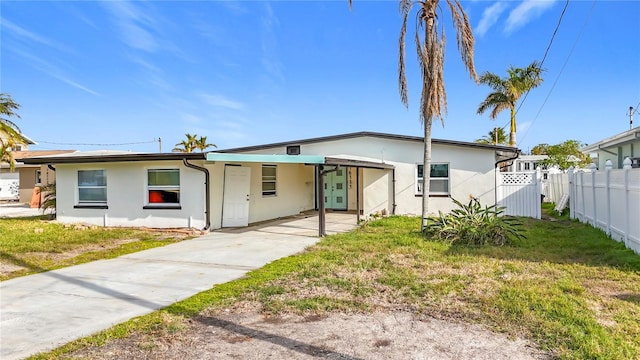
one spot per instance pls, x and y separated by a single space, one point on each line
382 335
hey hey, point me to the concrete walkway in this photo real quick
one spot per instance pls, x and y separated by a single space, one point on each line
8 210
44 311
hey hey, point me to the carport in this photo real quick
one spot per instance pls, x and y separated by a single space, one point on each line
323 165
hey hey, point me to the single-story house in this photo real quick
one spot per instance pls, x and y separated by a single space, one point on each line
364 172
616 148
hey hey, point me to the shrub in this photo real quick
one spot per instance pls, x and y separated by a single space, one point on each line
473 225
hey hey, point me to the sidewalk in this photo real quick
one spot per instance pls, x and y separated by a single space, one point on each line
44 311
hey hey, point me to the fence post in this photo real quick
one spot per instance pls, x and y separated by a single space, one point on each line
539 193
572 193
608 166
626 166
593 194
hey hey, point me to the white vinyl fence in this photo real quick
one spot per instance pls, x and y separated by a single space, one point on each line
520 193
609 200
556 186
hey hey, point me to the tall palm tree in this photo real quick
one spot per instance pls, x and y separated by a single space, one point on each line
430 50
187 145
202 145
495 137
508 90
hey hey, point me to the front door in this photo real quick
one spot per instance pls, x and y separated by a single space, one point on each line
235 204
335 190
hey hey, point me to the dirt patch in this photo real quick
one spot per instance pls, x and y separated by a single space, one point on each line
380 335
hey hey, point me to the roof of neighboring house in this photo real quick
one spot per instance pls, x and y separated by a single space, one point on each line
25 138
19 155
80 157
369 134
616 140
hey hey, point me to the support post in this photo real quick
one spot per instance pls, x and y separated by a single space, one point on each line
572 194
357 195
321 215
608 167
593 194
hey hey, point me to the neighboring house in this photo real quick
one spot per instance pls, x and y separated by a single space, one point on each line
616 149
363 172
10 180
31 176
527 162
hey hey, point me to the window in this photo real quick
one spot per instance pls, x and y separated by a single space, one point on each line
163 187
38 177
269 180
92 187
439 181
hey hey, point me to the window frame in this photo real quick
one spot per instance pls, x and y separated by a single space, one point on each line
419 180
173 187
91 203
38 177
268 179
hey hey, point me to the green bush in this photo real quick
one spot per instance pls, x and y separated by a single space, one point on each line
474 225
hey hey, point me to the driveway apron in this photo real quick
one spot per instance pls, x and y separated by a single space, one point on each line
44 311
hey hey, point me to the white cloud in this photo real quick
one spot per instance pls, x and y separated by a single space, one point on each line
269 44
222 101
135 25
23 33
525 12
52 70
490 16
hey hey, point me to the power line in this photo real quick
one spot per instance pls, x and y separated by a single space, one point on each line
546 52
81 144
575 43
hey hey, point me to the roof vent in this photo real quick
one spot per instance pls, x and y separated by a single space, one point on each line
293 150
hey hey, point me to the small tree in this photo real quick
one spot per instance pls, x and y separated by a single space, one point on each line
565 155
8 109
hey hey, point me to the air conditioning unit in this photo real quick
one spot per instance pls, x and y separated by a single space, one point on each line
635 162
293 150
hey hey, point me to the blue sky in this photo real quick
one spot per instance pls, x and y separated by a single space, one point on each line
252 72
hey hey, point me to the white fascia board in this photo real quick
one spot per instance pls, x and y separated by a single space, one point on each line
262 158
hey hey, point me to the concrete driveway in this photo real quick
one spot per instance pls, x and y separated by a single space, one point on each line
44 311
17 210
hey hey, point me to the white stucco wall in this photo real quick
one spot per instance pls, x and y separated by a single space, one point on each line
295 192
126 196
471 170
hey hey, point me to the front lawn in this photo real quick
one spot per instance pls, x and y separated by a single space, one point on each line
31 245
567 287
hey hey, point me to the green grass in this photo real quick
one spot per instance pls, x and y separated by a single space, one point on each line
37 245
567 287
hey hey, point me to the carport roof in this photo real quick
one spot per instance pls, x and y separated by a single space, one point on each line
296 159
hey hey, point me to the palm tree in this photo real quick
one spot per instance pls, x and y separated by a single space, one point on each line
187 145
201 144
430 51
495 137
8 109
507 91
5 153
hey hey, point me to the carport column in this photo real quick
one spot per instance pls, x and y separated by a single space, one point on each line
321 218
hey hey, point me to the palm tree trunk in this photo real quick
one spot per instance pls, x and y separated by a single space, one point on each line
512 134
426 172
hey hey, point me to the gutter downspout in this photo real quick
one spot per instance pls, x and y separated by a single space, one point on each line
393 193
207 192
495 177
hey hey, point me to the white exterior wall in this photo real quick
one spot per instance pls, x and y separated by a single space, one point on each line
127 195
471 170
294 186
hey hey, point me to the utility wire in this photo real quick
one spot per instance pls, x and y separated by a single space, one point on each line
80 144
575 43
546 52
